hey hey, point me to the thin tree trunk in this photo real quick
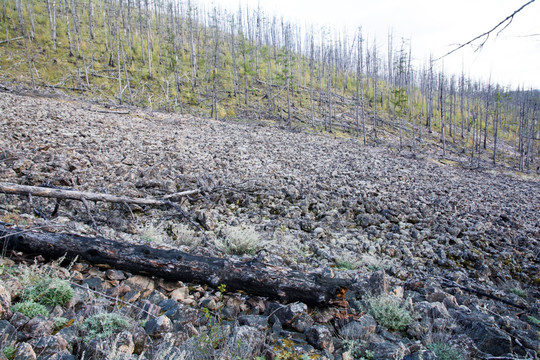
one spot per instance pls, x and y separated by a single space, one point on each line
495 132
25 41
148 40
30 9
51 11
441 109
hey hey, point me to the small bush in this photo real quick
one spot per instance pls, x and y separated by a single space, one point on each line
30 309
445 352
388 312
518 292
50 292
103 325
239 240
9 352
358 350
343 264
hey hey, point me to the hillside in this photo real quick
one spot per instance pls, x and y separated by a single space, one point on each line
430 231
174 56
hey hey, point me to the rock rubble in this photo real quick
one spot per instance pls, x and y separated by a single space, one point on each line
426 231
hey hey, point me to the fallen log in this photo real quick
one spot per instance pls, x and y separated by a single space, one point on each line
252 277
10 188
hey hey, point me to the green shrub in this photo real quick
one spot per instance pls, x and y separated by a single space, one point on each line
239 240
518 292
9 352
103 325
30 309
60 323
388 312
50 292
342 264
357 349
444 352
534 320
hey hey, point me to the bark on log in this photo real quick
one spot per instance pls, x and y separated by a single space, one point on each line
251 277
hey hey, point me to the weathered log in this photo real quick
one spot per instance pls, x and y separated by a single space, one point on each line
10 188
251 277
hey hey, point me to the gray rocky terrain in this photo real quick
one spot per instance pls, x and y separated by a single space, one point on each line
457 248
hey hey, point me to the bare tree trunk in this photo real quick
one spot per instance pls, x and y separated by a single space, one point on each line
51 11
25 41
214 111
233 54
441 109
30 9
91 20
462 102
141 31
375 80
431 81
70 45
148 40
246 100
311 66
488 95
496 127
125 70
193 54
119 64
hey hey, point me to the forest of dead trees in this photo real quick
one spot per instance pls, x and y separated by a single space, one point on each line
172 55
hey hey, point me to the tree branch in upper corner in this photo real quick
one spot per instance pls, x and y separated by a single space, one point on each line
504 24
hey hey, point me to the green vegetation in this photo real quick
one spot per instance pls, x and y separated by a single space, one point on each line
30 309
358 350
49 292
445 352
533 320
103 325
388 312
519 292
60 323
343 264
9 352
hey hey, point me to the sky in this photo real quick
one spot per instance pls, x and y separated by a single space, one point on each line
433 27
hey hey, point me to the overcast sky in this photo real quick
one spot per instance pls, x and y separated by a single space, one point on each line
433 26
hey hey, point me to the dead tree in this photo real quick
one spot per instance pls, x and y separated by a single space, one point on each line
251 276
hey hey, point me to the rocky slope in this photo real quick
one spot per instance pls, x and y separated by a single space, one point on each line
426 230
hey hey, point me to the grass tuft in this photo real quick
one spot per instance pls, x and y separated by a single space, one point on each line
239 240
183 235
50 292
445 352
30 309
103 325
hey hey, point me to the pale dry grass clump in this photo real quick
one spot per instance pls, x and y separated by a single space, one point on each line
151 233
184 235
239 240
